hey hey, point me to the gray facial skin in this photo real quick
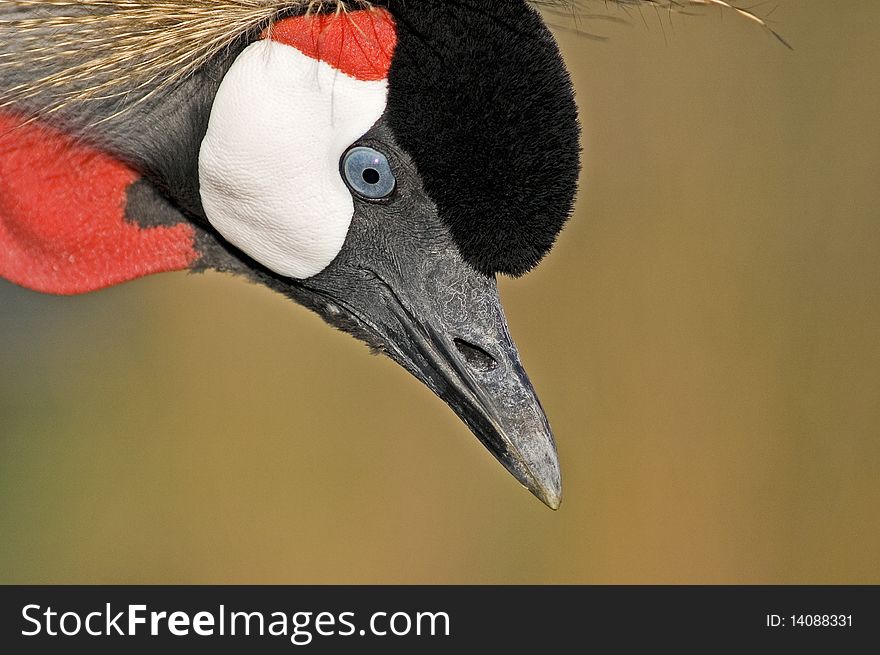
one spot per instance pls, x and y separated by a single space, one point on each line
400 284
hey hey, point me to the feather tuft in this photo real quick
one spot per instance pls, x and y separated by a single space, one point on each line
55 54
81 50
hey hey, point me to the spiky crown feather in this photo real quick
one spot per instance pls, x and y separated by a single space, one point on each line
86 49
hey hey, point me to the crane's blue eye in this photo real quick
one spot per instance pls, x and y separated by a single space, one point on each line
368 173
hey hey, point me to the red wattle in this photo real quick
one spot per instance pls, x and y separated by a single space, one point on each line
63 228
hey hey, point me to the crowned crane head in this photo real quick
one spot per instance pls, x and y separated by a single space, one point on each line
379 163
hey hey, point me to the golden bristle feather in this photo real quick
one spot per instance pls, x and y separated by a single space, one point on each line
79 50
86 49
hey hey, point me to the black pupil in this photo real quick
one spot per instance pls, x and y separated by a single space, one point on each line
371 176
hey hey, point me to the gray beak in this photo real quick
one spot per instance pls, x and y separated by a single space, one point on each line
443 322
447 327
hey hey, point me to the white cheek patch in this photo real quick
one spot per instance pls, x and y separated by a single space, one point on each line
269 163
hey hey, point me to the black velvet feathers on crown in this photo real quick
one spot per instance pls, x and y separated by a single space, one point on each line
480 98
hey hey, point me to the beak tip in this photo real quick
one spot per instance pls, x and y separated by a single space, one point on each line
537 469
553 502
547 487
552 498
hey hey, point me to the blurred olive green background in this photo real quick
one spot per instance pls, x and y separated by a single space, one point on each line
704 338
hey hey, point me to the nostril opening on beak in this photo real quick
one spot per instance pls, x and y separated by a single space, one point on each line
476 357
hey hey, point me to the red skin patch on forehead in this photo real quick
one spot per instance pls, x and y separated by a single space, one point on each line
358 43
63 225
